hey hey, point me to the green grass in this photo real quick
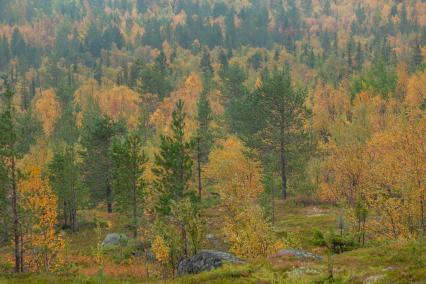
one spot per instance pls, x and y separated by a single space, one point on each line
390 262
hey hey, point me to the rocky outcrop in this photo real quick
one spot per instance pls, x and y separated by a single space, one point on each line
206 260
114 239
299 254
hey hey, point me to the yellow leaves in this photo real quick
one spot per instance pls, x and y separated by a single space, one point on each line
416 90
387 173
43 244
39 154
189 94
161 250
48 109
237 177
258 83
238 180
249 235
179 19
118 102
328 105
137 31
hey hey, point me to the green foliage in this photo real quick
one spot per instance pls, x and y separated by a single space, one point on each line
204 132
65 179
380 79
7 153
173 164
97 135
4 52
129 161
333 242
152 79
284 111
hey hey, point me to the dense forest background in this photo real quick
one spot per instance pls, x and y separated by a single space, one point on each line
181 116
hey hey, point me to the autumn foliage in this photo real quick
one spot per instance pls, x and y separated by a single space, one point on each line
238 180
44 246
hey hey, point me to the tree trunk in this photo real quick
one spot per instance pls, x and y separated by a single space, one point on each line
73 217
283 168
109 197
66 224
74 220
185 240
273 200
135 209
199 167
16 223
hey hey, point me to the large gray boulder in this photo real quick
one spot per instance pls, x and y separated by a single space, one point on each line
114 239
206 260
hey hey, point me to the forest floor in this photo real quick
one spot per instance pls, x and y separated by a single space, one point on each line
377 262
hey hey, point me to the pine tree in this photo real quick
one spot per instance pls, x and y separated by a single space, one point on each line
284 108
18 45
359 57
66 183
417 58
129 161
204 135
206 64
223 59
403 23
96 139
4 52
8 168
173 164
98 73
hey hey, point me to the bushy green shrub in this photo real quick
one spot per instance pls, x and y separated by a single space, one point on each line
336 243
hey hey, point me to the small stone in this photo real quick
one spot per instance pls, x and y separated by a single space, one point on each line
374 279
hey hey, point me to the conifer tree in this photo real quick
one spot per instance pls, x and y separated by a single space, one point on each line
284 109
206 64
8 169
173 164
129 162
97 137
65 181
203 135
4 52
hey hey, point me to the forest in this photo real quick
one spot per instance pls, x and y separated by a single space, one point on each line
212 141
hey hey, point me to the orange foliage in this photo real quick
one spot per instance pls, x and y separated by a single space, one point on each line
48 109
179 19
116 102
396 180
328 106
43 245
189 94
416 90
238 180
39 154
